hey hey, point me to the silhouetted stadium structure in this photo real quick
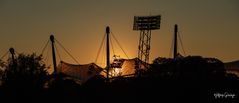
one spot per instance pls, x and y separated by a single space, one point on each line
83 72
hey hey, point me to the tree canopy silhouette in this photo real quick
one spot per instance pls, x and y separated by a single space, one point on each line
26 71
190 67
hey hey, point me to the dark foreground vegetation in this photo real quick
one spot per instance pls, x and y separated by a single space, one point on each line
189 79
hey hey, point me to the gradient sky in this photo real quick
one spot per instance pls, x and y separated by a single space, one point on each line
209 28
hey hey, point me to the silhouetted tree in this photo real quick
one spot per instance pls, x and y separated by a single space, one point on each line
215 68
2 68
190 67
162 67
25 72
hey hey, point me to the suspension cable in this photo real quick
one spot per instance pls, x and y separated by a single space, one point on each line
119 45
112 46
16 52
181 43
102 42
58 54
171 48
66 51
4 55
104 56
47 53
45 47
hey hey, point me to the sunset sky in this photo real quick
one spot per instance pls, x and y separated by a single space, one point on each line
209 28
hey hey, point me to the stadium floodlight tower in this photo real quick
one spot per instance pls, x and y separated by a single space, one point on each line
145 24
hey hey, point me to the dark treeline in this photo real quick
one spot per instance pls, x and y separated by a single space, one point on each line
186 79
